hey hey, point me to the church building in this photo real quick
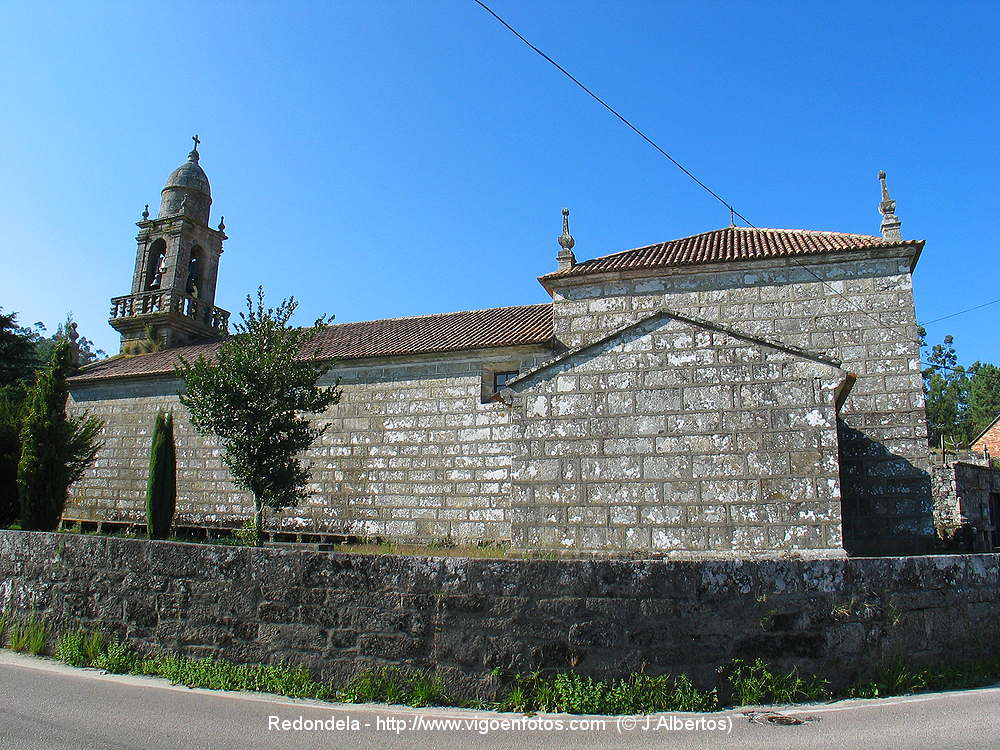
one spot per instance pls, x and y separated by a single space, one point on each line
740 392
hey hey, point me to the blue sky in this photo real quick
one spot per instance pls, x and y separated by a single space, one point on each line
382 158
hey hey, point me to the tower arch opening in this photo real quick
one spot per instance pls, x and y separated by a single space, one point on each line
156 265
196 265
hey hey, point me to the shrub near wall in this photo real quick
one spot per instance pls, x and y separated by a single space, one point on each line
474 618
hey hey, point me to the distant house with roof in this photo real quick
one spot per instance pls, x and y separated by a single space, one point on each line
739 392
989 439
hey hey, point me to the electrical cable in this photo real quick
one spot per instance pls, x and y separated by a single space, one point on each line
613 111
651 142
960 312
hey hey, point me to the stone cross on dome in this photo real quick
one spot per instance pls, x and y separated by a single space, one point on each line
193 156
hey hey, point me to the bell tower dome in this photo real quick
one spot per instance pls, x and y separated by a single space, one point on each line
187 190
176 267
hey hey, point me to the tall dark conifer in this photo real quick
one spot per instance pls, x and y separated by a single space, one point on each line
55 450
161 486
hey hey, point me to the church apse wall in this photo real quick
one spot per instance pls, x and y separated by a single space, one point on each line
697 440
887 499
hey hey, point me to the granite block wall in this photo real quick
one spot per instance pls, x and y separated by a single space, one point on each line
411 454
338 613
675 435
414 453
966 497
685 439
886 485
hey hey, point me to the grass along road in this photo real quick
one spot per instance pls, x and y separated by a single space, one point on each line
45 705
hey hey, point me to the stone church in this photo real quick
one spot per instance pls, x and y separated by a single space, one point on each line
740 392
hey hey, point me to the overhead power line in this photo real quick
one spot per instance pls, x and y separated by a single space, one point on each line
615 112
960 312
944 367
651 142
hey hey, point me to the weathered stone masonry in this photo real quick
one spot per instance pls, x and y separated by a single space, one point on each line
339 613
411 453
967 502
578 463
741 391
886 489
744 432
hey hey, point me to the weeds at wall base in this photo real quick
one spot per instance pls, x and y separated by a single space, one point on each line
759 684
750 683
30 635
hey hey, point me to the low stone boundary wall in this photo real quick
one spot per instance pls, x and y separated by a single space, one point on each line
338 613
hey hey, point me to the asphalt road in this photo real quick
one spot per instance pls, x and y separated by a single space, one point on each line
47 706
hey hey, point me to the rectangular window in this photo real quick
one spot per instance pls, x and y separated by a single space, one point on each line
496 376
500 379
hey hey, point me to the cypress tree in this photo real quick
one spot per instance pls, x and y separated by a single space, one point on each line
55 451
11 409
161 487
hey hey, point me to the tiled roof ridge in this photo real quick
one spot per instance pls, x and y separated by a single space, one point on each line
435 315
829 232
730 243
436 333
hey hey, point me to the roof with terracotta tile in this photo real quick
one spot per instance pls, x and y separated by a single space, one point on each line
730 244
990 427
446 332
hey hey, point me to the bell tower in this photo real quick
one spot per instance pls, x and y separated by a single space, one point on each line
176 267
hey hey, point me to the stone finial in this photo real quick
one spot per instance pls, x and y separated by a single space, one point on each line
565 257
222 223
74 346
890 222
145 212
193 155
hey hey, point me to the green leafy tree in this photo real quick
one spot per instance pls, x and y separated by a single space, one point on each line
945 394
55 449
24 351
984 397
18 355
161 487
86 349
961 402
253 398
19 360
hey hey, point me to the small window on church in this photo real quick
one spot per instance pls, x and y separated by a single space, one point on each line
500 379
496 376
